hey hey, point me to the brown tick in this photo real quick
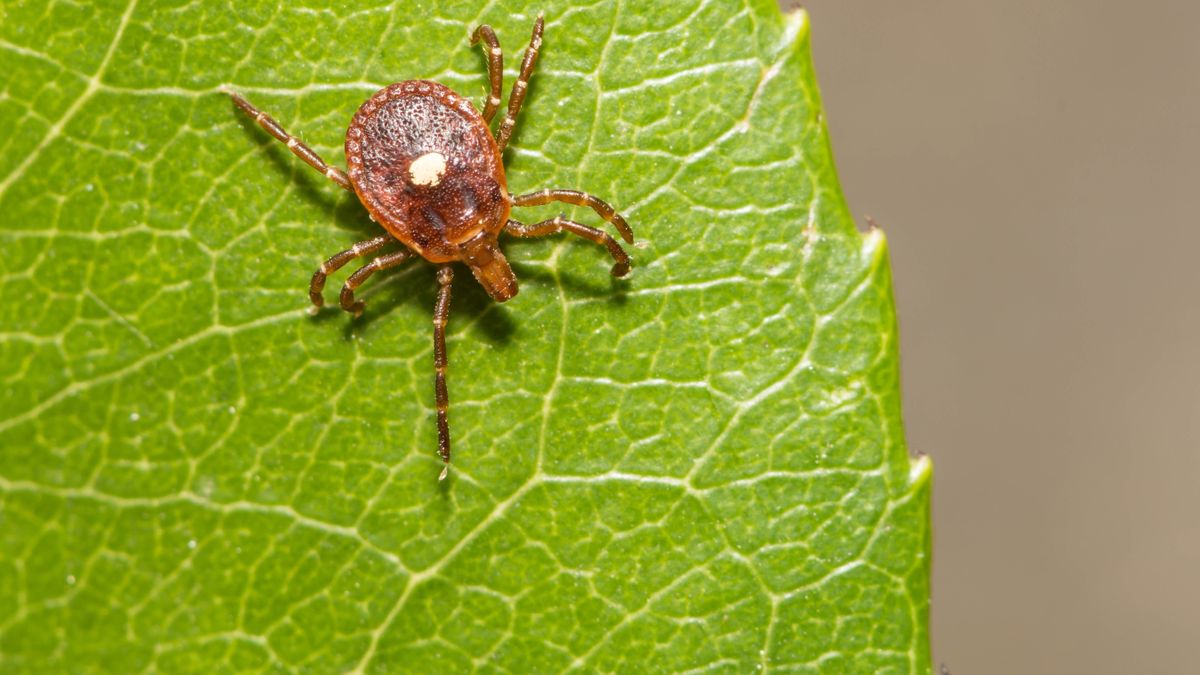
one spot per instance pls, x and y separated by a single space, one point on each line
426 165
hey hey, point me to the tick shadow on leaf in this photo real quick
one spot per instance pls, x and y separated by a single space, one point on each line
578 285
310 187
417 285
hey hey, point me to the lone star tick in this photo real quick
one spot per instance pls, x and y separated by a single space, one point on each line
426 165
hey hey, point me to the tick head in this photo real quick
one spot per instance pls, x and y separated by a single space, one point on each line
487 262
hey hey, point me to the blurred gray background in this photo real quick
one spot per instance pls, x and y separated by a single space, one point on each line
1036 166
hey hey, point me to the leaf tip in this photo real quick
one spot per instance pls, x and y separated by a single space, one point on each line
920 468
796 22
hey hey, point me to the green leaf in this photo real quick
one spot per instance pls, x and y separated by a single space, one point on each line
702 467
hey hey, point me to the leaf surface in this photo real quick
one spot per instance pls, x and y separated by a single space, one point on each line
699 468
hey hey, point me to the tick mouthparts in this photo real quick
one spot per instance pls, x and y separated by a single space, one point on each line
487 262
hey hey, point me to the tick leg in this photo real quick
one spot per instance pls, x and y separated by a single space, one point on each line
441 314
579 199
495 68
518 91
298 149
363 273
559 224
338 261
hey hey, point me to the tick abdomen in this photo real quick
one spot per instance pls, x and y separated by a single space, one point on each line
422 160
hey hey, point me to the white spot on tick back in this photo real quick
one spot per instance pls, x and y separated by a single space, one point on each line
427 169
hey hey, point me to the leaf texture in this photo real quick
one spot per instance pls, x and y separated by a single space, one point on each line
701 468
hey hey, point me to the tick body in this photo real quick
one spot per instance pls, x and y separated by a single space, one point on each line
426 165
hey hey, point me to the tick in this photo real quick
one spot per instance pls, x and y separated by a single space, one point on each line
426 165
